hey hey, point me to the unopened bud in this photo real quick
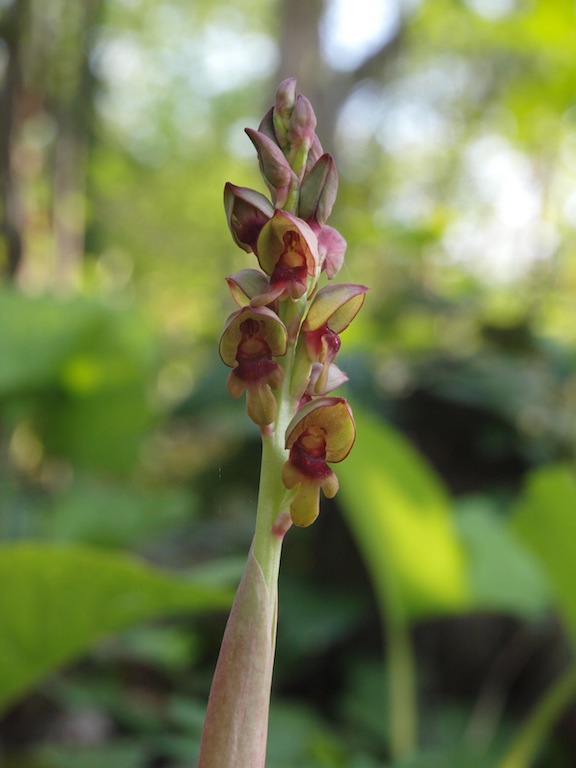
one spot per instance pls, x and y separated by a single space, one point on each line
274 167
318 191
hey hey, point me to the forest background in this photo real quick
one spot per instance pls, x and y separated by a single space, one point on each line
430 610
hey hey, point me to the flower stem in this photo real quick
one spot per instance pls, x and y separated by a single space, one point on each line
235 730
402 690
267 544
524 748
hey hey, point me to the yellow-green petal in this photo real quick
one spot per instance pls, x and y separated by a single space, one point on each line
335 306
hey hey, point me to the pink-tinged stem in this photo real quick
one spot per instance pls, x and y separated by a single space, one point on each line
236 725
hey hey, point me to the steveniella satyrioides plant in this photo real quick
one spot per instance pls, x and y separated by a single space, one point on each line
281 344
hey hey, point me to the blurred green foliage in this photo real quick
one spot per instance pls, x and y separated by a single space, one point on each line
401 517
433 600
545 519
58 601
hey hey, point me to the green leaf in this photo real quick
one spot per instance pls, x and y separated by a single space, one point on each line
400 515
504 575
56 602
545 519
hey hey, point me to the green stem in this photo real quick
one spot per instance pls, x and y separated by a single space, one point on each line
524 748
267 545
400 661
402 690
291 204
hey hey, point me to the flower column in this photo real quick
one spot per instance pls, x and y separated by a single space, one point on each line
280 344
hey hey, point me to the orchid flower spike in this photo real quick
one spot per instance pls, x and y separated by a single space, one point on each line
280 344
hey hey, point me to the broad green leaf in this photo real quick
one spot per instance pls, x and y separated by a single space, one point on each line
504 575
545 519
55 602
400 516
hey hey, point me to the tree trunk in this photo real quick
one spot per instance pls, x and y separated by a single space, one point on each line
301 57
11 28
73 114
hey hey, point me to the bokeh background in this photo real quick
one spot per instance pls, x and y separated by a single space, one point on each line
432 606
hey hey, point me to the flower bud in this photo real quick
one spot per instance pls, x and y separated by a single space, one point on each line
318 191
285 99
267 127
275 168
314 154
282 110
301 135
246 212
